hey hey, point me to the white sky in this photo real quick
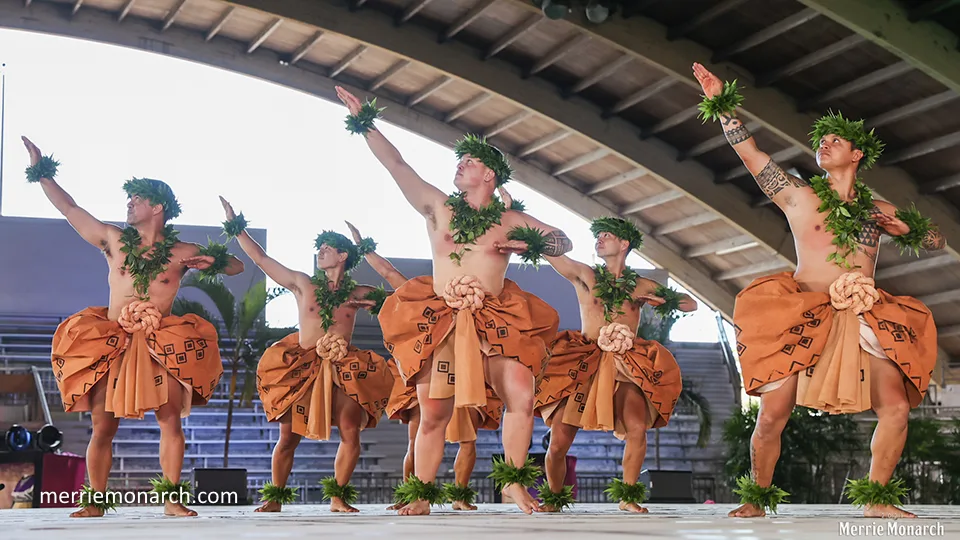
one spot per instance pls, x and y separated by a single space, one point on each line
280 156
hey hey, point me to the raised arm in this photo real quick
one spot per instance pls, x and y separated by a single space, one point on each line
380 265
88 227
776 184
283 276
424 197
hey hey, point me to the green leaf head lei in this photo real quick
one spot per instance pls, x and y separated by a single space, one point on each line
156 192
618 227
488 154
343 244
851 130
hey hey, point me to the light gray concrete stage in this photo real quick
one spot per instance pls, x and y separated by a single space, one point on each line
500 522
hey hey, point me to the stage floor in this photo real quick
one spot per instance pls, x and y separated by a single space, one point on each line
494 521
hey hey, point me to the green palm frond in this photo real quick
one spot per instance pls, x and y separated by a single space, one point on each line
221 297
182 306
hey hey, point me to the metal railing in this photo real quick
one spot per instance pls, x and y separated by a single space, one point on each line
41 394
730 361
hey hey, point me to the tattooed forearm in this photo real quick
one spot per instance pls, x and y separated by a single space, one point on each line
734 130
557 244
933 240
772 180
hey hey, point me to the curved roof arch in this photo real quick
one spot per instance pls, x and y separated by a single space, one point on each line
601 118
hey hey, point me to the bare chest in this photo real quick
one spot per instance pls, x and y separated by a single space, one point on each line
315 312
139 271
814 234
593 314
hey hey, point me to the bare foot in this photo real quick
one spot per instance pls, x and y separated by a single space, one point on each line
337 505
886 511
396 506
522 497
632 507
747 510
547 509
460 505
89 511
269 506
177 509
416 508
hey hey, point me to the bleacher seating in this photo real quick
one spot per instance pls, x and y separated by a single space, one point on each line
27 341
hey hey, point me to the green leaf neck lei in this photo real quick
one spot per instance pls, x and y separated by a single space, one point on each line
613 291
844 219
468 223
145 270
329 300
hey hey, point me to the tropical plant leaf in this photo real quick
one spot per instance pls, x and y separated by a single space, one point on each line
182 306
251 307
221 297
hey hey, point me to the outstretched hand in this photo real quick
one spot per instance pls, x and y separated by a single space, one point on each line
507 198
350 100
33 150
354 232
891 225
227 208
200 262
511 246
710 83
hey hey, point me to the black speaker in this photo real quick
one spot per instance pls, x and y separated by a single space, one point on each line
220 487
669 486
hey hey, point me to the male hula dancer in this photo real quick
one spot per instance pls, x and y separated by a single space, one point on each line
824 337
133 356
314 379
464 328
605 377
403 406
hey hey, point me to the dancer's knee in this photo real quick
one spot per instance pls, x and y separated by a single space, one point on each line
435 414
